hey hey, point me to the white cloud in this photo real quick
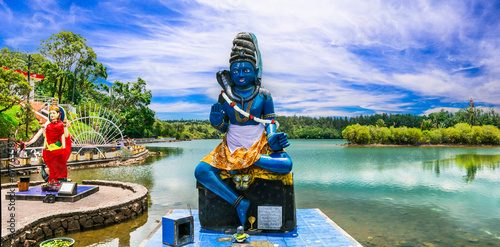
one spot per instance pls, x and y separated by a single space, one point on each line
455 109
439 109
431 83
5 12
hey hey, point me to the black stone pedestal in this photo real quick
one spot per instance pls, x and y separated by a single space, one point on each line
218 215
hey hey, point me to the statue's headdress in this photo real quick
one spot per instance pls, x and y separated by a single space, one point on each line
246 49
54 106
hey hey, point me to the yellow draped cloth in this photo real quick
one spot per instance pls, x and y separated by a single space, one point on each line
242 158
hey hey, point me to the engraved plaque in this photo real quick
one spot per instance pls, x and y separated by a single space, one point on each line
67 188
269 217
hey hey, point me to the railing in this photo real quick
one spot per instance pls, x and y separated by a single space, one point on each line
150 140
46 100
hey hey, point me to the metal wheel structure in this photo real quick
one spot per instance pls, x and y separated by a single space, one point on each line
92 126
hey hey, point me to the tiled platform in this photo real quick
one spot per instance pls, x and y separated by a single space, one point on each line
36 194
313 229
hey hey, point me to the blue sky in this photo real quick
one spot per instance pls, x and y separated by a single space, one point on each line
321 58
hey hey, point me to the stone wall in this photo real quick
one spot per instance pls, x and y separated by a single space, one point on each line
4 149
59 224
117 162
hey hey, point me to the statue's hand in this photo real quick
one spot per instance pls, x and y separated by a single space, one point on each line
278 141
216 115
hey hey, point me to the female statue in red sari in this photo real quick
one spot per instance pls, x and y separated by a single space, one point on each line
57 146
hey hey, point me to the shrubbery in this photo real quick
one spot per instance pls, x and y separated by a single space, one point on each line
461 134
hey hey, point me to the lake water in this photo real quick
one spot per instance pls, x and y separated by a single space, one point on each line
384 196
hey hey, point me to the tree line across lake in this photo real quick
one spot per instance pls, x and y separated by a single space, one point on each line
460 134
467 126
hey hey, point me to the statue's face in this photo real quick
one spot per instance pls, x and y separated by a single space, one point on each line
54 115
242 74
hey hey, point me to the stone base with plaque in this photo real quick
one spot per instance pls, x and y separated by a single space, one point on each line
272 204
68 189
68 192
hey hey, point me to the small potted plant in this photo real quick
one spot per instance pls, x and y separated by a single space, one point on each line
58 242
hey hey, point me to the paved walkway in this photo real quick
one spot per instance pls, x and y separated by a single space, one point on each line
29 211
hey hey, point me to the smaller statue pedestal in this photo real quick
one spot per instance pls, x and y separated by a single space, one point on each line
24 161
89 156
5 162
74 156
102 155
271 202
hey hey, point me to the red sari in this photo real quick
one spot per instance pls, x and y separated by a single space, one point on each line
56 159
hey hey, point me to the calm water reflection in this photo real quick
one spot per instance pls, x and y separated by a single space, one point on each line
385 196
472 163
381 196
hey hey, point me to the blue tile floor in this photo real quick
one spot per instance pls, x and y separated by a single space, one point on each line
313 229
37 191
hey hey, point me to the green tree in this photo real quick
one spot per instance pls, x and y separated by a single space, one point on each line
156 128
363 135
451 135
19 60
436 136
380 123
476 134
490 135
13 86
27 117
426 124
75 64
130 101
400 135
465 133
349 133
442 119
11 59
414 136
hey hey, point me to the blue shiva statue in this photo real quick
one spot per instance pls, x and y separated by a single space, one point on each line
245 112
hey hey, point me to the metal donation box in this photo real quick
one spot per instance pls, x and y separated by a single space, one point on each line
177 229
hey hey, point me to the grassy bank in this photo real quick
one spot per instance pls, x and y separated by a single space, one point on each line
9 123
